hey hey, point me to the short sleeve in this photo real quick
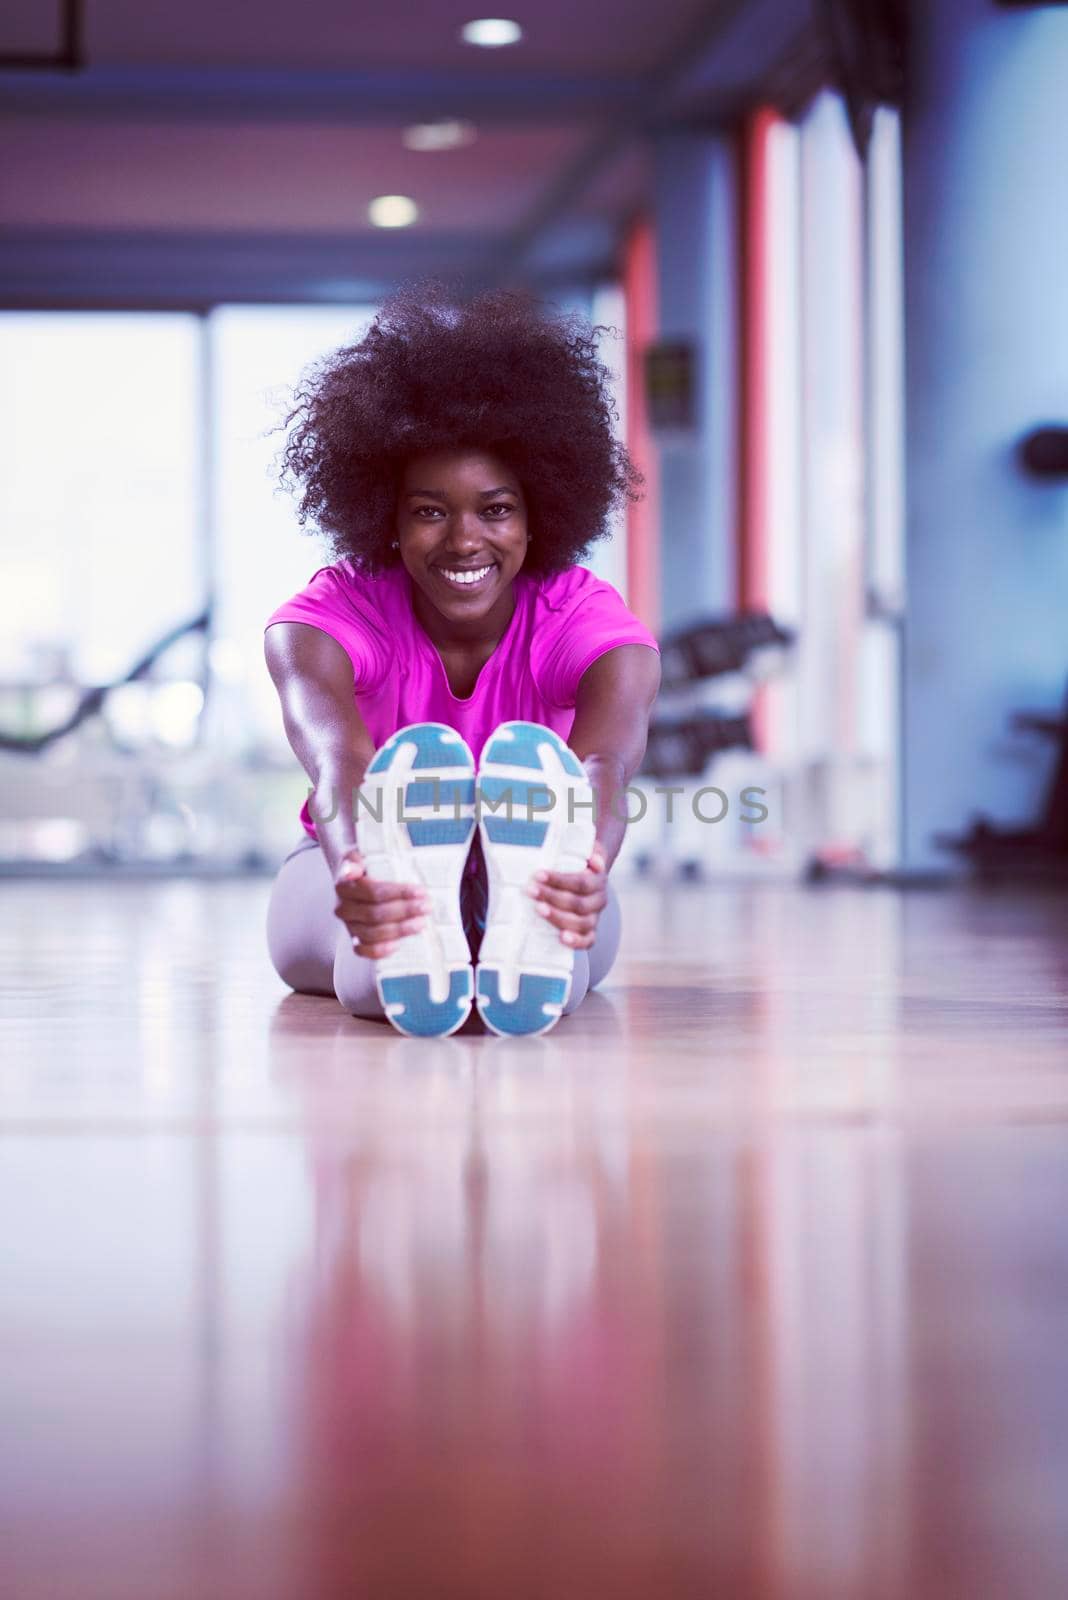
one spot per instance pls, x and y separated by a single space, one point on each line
334 602
580 617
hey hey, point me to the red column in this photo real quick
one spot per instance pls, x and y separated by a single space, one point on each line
756 318
643 518
754 454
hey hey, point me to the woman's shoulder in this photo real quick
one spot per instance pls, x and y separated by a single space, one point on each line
385 590
580 617
342 589
577 595
561 590
363 612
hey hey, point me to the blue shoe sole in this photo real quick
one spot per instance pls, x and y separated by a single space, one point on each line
535 811
415 823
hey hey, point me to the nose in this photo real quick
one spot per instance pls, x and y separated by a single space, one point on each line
465 533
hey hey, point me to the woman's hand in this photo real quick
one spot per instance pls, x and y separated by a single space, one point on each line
573 901
377 914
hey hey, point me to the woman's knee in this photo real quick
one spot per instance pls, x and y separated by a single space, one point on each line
591 965
605 947
354 982
580 982
301 926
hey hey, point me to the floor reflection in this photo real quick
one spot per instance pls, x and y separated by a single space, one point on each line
528 1318
750 1279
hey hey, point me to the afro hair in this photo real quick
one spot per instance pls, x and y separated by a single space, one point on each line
497 373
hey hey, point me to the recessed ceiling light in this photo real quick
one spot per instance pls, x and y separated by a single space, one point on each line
491 32
392 211
448 134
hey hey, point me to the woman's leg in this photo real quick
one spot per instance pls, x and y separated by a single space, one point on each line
590 965
594 964
308 946
311 952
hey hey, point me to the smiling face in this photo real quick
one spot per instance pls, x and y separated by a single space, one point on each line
462 532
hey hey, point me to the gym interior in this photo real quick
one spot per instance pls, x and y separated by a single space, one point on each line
750 1279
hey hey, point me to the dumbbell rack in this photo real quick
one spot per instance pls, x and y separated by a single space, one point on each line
709 671
1039 853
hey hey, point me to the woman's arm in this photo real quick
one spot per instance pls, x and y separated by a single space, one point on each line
615 696
313 675
609 733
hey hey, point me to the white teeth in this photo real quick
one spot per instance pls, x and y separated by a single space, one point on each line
465 576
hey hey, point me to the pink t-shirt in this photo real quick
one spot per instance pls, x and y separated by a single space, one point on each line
560 625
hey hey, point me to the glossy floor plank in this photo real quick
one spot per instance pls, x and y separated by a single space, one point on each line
750 1279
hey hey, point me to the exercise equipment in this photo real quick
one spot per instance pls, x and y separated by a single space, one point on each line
1038 853
709 671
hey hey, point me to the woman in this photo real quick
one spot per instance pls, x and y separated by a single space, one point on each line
462 460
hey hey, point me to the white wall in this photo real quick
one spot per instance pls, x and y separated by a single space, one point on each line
696 247
986 241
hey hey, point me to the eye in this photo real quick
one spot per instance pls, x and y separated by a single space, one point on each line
502 507
433 510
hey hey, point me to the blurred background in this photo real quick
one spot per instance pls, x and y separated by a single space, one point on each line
826 244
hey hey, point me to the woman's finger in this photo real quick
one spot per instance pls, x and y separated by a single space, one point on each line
389 928
372 941
380 890
594 899
574 921
598 861
350 869
355 908
377 891
366 897
581 921
376 914
374 952
586 882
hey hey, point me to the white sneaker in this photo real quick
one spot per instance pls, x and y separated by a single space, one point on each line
415 824
535 811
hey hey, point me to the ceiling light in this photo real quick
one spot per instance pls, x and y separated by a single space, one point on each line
392 211
449 134
491 32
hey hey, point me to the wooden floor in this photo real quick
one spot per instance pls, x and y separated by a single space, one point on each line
750 1280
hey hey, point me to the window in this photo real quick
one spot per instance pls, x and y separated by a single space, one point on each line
823 468
139 490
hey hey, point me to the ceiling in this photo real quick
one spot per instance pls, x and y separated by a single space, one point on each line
209 153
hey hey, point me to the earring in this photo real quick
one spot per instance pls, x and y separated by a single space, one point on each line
395 545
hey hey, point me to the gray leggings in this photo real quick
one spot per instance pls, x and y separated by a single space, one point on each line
311 950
